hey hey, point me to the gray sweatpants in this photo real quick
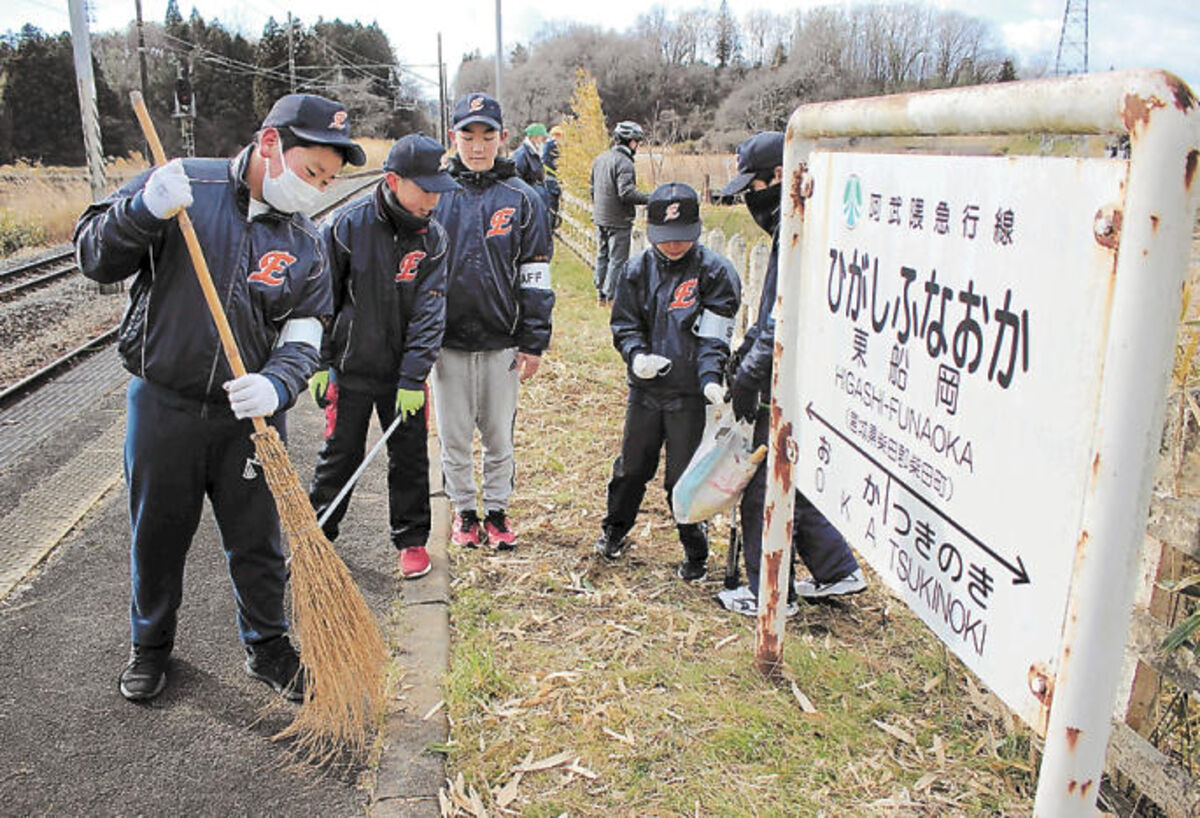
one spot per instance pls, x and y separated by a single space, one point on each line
476 390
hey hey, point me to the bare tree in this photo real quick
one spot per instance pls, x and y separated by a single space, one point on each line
762 35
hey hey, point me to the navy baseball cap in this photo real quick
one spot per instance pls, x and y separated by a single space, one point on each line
316 119
673 213
477 107
757 156
424 161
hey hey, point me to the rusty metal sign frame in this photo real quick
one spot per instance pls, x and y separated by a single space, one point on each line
1158 112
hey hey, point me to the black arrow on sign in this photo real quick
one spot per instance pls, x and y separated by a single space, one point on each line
1020 575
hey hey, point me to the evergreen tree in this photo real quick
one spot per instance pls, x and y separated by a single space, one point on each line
271 54
41 99
725 40
173 20
224 95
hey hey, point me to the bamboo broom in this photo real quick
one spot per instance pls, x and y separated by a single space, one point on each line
343 652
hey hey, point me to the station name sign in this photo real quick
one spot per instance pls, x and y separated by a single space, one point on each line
953 316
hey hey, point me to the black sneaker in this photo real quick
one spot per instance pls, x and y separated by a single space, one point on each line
692 571
276 662
145 675
611 549
499 535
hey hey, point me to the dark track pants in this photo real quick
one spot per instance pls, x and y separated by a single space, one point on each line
612 251
646 430
176 452
819 545
347 418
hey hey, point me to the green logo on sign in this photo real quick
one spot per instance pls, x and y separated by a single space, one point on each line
852 201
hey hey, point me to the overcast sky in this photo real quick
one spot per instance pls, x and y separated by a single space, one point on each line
1123 34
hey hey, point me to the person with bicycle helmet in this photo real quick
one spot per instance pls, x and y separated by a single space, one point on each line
614 195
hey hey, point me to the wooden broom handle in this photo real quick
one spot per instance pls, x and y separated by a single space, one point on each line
228 343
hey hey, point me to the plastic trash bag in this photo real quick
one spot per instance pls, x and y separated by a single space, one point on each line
719 470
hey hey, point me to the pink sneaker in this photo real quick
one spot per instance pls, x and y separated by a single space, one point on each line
465 530
414 562
499 536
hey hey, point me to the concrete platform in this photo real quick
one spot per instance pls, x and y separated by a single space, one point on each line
73 746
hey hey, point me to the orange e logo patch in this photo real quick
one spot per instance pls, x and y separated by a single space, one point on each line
684 295
672 212
409 265
501 221
271 268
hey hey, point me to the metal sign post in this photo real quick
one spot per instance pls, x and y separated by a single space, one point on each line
972 359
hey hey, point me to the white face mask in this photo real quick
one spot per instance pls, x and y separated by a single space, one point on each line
287 192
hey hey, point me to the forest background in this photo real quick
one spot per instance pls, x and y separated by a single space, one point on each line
697 79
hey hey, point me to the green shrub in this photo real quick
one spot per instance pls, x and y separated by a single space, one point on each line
17 232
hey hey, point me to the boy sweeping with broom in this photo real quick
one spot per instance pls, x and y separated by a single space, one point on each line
188 429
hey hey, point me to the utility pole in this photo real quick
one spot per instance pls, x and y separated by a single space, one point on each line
85 86
142 51
443 124
499 54
291 55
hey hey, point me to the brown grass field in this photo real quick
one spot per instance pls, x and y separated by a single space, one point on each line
584 688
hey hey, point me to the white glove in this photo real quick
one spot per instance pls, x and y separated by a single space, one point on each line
647 366
167 190
252 396
714 393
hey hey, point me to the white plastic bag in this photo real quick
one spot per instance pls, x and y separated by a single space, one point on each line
719 470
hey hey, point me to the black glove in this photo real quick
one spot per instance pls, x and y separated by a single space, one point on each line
745 401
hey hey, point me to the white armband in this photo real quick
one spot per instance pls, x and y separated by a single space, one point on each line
711 325
535 275
301 330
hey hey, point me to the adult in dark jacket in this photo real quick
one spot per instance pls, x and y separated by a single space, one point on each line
188 421
819 545
672 319
614 196
388 264
527 159
550 155
498 306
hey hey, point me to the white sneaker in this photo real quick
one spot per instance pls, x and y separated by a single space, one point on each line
741 600
852 583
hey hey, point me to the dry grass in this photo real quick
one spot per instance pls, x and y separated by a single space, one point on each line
376 151
656 166
594 689
41 203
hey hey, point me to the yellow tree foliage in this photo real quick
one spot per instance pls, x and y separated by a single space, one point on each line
585 136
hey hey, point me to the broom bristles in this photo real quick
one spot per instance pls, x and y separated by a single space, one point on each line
342 651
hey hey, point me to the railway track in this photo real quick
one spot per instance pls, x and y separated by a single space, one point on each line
34 274
27 277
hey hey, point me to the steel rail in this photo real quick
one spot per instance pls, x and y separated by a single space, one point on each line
31 382
36 379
